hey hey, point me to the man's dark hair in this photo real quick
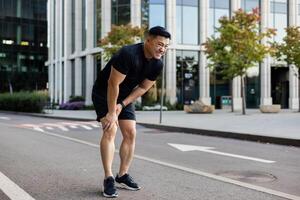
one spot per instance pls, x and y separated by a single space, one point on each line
159 31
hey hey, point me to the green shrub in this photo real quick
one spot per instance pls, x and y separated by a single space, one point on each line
175 106
76 98
23 101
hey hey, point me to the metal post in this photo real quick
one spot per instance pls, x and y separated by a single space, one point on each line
162 89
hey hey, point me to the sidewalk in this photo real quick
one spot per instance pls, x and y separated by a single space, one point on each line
280 128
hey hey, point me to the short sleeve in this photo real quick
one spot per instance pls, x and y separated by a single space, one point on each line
121 60
156 68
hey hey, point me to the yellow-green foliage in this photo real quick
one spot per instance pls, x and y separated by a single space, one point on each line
118 37
238 45
289 49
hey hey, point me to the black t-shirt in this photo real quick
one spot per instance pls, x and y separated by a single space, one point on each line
130 61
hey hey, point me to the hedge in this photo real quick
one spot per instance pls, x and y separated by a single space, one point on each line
23 101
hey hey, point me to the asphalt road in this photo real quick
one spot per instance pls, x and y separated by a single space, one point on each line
56 159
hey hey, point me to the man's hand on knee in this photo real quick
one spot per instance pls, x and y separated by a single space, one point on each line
109 120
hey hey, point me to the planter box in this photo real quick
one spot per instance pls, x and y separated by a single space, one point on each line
270 108
198 107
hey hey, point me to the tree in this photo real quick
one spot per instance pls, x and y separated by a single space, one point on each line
238 46
118 37
289 51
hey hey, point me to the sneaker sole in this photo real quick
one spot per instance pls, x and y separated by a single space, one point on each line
110 196
124 186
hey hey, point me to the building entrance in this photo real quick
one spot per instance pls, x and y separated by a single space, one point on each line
280 86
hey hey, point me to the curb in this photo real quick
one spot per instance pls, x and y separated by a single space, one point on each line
205 132
224 134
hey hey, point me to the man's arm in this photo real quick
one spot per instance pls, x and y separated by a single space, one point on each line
143 87
115 79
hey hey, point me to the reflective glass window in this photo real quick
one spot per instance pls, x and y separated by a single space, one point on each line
217 9
278 18
97 25
248 5
224 4
84 24
187 22
73 26
187 76
298 14
120 12
23 50
156 13
153 13
218 86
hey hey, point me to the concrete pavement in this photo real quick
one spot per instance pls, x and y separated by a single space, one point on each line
279 128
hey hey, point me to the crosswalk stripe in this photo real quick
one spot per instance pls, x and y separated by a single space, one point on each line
86 127
62 125
38 129
5 118
63 128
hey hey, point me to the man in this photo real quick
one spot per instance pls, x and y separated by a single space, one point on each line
128 75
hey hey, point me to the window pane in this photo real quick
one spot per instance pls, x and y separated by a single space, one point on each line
120 12
187 77
157 15
224 4
178 24
248 5
190 25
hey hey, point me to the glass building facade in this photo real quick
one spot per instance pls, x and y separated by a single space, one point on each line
218 86
23 45
190 23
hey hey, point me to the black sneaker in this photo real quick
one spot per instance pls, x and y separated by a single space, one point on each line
110 190
127 182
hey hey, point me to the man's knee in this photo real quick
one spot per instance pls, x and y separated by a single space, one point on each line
129 134
110 134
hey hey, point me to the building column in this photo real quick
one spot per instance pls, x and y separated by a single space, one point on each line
58 82
170 64
78 47
135 13
236 82
60 46
204 72
90 35
67 48
50 19
265 68
106 17
293 71
105 23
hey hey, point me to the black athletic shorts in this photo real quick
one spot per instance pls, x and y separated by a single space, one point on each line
100 104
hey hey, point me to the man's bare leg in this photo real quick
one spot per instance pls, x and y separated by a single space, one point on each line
128 129
107 149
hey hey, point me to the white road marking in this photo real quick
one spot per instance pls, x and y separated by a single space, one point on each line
95 125
38 129
5 118
12 190
73 126
63 128
190 170
49 128
57 126
183 147
86 127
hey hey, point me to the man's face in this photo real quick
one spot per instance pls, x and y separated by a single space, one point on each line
158 46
